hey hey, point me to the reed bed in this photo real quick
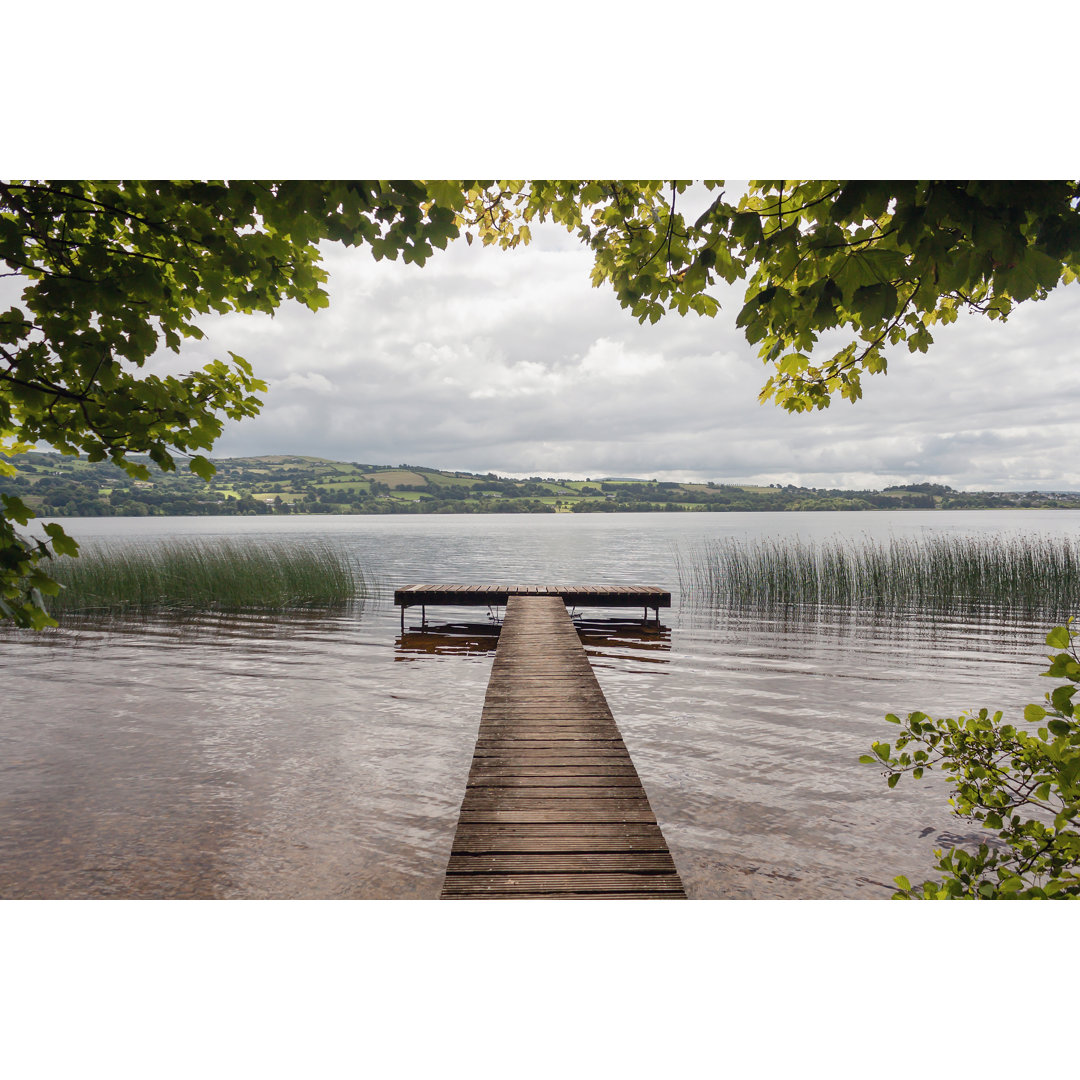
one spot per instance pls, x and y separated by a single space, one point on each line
200 575
1027 575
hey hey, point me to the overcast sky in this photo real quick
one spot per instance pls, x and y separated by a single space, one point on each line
511 362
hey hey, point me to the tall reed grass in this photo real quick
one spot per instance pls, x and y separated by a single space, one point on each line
201 575
945 573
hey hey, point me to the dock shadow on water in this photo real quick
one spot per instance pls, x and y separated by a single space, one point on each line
462 639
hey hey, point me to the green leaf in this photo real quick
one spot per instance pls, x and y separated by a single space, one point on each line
1058 638
1061 698
875 303
61 542
202 467
16 509
871 266
1034 713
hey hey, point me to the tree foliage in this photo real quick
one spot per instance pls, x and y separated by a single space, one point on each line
114 271
1023 785
883 261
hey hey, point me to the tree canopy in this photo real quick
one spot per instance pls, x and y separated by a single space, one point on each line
114 271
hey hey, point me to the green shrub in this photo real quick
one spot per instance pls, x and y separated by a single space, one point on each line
1022 783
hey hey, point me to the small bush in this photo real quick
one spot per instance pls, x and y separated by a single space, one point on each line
1022 784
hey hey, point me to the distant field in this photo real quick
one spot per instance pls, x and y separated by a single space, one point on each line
343 485
446 479
276 462
397 478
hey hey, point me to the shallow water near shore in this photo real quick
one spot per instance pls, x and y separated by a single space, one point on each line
319 755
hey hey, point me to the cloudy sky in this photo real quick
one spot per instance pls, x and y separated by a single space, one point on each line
511 362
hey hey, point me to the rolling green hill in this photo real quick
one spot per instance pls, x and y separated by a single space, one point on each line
57 486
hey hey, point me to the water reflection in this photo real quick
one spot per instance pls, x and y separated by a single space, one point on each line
166 624
866 614
601 638
440 642
254 757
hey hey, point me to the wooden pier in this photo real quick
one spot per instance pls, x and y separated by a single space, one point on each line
553 808
646 597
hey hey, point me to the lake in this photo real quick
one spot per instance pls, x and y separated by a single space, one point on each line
322 756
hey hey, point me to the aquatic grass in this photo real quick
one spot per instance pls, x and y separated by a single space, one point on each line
203 575
949 573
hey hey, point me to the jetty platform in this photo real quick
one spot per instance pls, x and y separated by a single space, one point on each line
553 807
646 597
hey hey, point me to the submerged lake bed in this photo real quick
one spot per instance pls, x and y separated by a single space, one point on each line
321 755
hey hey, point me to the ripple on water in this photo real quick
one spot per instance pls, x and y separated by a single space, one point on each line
317 755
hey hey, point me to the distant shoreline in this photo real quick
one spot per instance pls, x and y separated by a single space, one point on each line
53 485
497 513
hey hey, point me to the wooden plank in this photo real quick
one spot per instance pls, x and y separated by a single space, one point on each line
644 862
541 805
530 752
553 805
554 742
528 844
564 815
542 894
569 832
505 781
515 773
636 886
484 767
496 753
500 739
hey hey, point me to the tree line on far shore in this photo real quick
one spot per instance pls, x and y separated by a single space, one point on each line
59 486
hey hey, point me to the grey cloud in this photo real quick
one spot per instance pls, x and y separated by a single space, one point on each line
513 362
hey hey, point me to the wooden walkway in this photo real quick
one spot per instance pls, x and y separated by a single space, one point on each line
553 808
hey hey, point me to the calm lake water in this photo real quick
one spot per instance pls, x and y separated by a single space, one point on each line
322 756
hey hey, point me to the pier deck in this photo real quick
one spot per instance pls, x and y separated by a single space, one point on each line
647 597
553 806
